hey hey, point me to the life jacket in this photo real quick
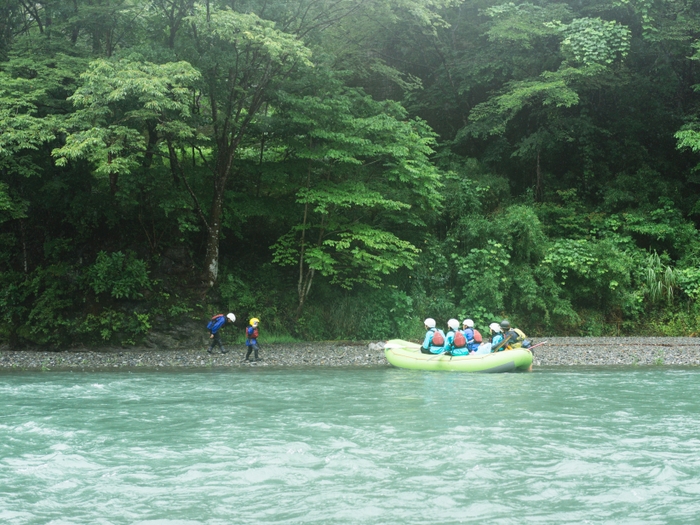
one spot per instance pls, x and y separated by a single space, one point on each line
459 340
517 337
477 336
514 336
254 335
438 339
210 324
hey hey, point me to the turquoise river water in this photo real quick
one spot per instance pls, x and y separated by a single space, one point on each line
370 446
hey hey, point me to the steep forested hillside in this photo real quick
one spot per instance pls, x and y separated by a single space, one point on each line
345 168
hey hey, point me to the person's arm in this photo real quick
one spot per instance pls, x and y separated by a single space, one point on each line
427 339
449 341
501 344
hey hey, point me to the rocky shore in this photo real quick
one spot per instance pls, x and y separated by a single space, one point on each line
596 351
558 351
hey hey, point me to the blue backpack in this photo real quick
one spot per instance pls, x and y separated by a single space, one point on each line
210 324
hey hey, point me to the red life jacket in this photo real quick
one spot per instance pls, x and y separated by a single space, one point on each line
438 339
254 335
459 341
477 336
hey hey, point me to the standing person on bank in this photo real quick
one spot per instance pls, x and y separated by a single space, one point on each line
214 327
251 339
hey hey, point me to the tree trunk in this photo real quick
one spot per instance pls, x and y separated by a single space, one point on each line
23 230
211 259
304 286
223 168
304 283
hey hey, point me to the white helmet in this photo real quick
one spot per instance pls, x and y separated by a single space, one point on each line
495 328
453 323
468 323
231 317
429 322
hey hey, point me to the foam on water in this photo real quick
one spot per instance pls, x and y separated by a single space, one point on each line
615 445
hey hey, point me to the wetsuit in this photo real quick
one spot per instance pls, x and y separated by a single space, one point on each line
463 350
428 346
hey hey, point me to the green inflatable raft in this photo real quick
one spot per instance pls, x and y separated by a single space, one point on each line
404 354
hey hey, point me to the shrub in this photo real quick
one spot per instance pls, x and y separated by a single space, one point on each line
593 273
48 307
40 307
262 297
688 280
121 276
115 326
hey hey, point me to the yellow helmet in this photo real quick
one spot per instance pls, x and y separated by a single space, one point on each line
254 321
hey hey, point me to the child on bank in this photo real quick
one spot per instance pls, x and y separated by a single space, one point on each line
251 340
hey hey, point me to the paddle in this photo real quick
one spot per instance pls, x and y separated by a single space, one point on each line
535 346
438 355
502 345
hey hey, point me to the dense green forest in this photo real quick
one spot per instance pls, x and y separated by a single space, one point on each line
342 169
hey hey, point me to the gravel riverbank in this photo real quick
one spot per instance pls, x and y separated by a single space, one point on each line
558 351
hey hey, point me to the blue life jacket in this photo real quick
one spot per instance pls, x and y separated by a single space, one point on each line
216 322
472 345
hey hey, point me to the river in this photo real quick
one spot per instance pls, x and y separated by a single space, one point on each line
350 445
